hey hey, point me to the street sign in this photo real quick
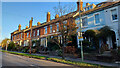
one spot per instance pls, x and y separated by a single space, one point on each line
80 38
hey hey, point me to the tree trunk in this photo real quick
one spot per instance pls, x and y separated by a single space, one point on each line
63 48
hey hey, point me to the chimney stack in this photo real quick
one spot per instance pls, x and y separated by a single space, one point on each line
56 16
79 5
26 27
19 27
30 23
38 23
87 4
48 17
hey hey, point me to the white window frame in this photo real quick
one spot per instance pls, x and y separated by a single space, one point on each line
57 26
51 27
88 7
45 30
21 35
77 21
34 33
65 22
87 21
38 32
81 21
111 14
95 20
27 34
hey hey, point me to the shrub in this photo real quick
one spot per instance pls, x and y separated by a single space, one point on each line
70 49
52 46
59 52
34 50
25 49
11 46
85 43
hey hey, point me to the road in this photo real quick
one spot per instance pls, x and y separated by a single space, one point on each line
10 61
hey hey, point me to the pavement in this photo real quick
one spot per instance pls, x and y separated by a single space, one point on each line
86 61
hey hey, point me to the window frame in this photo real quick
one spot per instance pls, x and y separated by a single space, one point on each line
87 21
27 34
21 35
34 33
51 28
57 26
95 19
38 32
111 14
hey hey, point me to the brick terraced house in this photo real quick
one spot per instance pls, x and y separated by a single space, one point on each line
93 17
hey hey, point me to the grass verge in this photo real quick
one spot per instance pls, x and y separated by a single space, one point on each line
27 55
81 64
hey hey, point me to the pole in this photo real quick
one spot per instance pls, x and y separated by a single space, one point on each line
81 33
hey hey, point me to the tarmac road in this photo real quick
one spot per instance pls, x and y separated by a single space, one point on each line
16 61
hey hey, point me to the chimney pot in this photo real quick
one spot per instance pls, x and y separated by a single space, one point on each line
56 16
48 17
30 23
87 4
26 27
38 23
19 27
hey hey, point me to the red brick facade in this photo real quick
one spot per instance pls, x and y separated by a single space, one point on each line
26 33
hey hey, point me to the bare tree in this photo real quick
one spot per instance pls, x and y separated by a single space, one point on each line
67 26
64 9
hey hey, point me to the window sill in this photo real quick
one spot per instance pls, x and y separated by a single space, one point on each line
84 26
97 24
115 20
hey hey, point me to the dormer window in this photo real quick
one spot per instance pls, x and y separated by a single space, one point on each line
85 9
91 7
88 8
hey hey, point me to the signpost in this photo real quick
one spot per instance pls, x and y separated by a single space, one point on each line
80 37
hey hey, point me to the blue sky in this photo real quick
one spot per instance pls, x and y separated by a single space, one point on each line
15 13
